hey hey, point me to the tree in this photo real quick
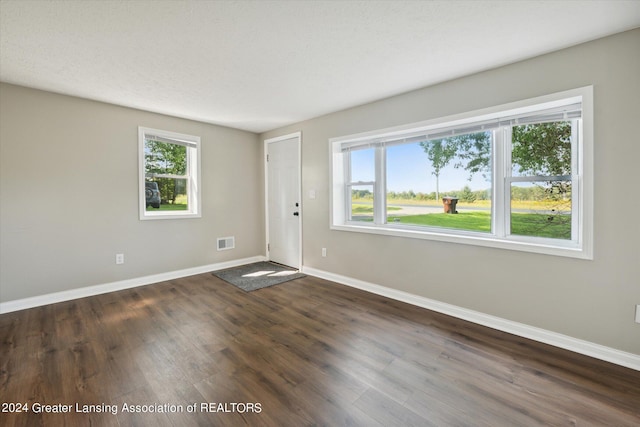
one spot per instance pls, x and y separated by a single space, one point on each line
475 148
466 195
163 162
440 152
542 149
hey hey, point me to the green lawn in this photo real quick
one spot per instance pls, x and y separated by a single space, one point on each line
169 207
175 207
522 224
541 225
473 221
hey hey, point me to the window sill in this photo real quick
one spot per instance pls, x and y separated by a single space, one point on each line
169 215
540 246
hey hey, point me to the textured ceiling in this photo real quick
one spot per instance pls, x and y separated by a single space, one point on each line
259 65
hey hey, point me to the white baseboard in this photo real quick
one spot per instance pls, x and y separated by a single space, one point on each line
629 360
22 304
587 348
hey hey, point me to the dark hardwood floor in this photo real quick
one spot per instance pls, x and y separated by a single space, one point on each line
306 352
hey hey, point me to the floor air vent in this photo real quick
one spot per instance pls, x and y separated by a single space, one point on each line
225 243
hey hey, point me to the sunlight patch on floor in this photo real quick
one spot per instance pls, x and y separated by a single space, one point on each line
283 273
270 273
259 273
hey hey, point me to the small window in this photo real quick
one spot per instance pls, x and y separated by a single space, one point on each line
517 176
169 174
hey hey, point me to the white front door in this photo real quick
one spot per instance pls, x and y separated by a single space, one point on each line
283 199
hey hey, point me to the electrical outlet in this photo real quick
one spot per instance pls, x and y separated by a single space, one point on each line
638 313
119 258
324 252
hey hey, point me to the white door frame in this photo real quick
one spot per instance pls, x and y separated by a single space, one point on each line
297 135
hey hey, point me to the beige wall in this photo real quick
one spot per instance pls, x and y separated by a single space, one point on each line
590 300
69 196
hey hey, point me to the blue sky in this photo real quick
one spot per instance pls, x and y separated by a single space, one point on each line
408 168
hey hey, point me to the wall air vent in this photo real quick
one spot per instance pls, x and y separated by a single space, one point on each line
226 243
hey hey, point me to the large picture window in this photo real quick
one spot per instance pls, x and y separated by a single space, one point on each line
517 176
169 174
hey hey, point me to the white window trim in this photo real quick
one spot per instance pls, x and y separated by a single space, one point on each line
581 245
193 175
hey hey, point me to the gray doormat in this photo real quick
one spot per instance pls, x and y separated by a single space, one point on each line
258 275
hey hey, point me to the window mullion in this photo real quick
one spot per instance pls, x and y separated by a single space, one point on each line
348 187
499 167
167 175
380 185
538 178
190 181
508 171
576 188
